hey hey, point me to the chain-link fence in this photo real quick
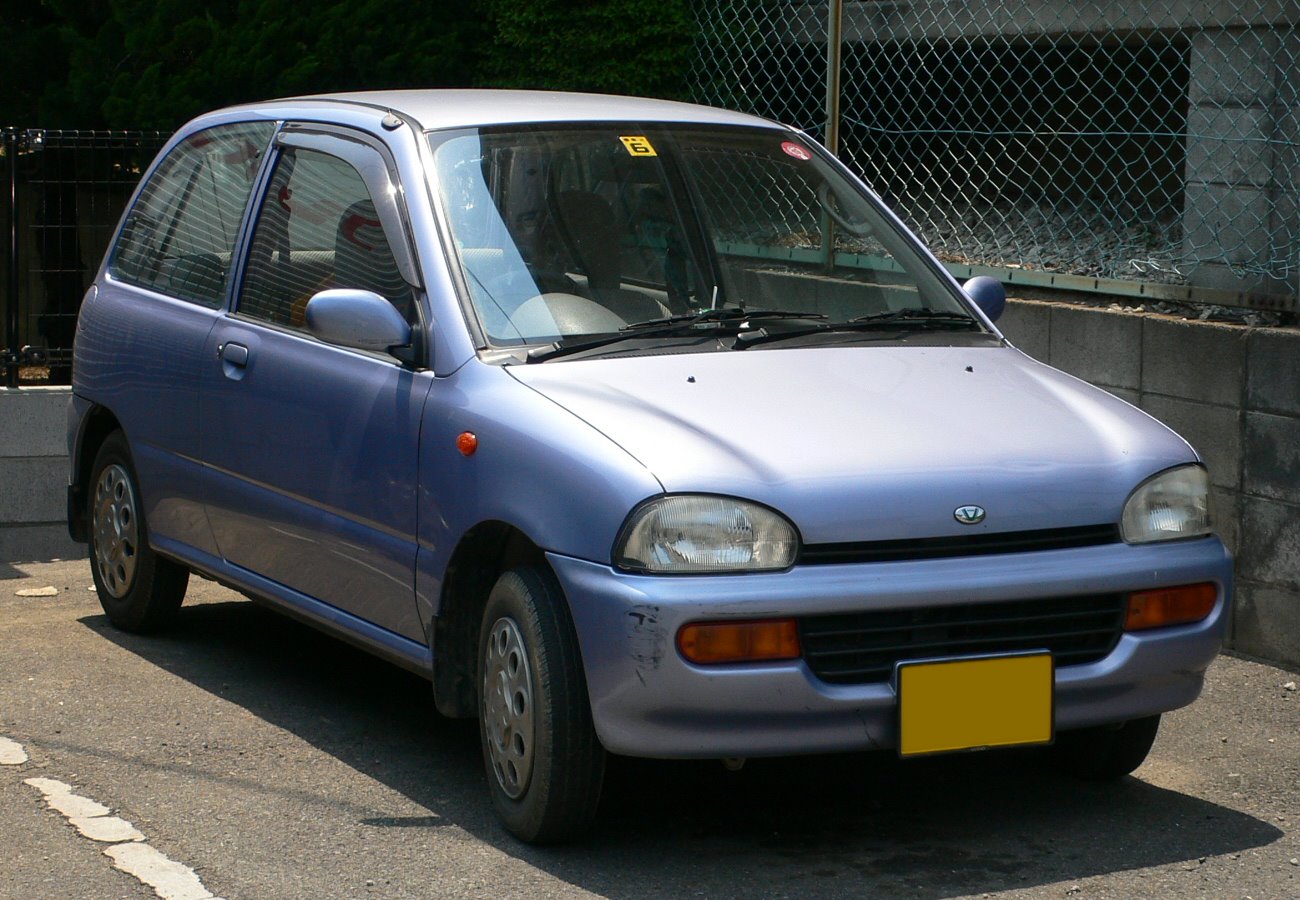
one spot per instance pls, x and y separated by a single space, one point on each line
1151 142
66 190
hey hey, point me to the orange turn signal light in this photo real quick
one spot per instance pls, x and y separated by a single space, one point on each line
708 643
1170 606
467 443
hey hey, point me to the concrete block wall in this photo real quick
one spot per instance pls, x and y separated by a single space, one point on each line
1234 393
34 475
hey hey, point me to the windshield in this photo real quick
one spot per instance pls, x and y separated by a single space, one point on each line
566 233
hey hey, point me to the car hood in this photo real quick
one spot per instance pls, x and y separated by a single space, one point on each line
873 443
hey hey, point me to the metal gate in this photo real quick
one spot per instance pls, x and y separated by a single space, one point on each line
66 192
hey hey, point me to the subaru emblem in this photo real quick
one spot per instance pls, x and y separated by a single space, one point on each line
969 515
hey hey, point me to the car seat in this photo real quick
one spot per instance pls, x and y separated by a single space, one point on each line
594 237
364 260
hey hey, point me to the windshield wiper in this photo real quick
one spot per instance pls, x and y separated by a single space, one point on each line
627 333
726 314
937 318
682 325
907 319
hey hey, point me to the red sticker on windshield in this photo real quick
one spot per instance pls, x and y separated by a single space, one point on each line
793 149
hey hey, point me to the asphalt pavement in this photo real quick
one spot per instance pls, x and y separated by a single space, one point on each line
269 761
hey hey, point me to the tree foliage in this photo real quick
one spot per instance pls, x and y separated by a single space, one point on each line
156 63
615 46
31 52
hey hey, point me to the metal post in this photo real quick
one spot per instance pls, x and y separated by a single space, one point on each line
12 320
834 30
834 41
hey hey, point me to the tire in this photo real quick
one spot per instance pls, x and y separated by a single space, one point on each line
1107 752
544 763
139 590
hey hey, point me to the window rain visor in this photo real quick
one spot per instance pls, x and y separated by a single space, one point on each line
565 231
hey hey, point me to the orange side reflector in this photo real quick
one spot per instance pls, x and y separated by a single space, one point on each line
467 443
729 642
1170 606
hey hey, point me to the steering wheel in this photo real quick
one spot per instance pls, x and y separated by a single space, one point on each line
563 314
830 203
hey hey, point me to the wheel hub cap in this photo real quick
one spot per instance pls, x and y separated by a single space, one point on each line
116 530
508 707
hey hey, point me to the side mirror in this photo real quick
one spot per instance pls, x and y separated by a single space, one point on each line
989 295
359 319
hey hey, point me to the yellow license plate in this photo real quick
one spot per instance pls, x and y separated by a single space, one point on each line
970 704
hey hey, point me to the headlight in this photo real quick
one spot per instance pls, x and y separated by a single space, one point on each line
1174 504
696 533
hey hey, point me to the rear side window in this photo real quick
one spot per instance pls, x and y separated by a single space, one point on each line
180 234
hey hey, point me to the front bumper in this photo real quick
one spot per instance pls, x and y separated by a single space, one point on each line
648 701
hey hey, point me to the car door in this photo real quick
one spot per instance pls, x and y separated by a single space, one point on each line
143 331
313 447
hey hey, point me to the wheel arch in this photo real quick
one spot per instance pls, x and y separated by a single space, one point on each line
482 555
97 424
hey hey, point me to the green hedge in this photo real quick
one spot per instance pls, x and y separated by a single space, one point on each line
156 63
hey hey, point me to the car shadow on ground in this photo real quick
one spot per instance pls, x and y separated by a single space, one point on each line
827 825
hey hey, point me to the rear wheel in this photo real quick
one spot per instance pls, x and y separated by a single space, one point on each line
1106 752
544 763
139 590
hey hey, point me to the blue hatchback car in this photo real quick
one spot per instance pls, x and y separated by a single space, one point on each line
636 427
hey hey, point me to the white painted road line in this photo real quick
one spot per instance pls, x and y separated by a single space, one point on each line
60 798
169 879
106 829
11 753
88 817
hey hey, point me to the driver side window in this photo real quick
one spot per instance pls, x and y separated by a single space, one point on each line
317 229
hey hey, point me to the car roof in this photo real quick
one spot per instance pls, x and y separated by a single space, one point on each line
435 109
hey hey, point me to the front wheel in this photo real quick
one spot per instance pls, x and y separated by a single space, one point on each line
1106 752
139 590
544 762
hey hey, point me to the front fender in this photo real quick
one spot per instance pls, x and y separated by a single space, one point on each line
537 467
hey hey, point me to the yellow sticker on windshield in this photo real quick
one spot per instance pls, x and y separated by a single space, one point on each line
638 145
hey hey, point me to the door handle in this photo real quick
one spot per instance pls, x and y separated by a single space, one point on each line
233 353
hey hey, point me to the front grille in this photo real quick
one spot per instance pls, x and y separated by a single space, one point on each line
860 648
979 543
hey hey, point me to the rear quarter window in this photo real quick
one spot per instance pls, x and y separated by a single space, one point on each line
179 236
